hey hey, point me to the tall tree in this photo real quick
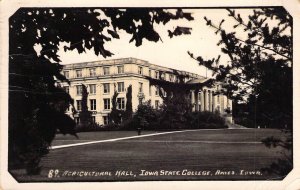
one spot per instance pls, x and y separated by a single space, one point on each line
260 72
36 104
128 110
145 117
85 116
176 98
115 114
260 68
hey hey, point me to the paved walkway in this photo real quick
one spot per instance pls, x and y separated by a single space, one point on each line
86 142
117 139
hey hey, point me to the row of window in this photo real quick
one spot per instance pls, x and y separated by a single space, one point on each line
106 71
77 119
107 104
156 74
105 120
106 88
92 72
92 88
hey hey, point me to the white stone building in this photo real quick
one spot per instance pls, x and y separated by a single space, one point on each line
102 78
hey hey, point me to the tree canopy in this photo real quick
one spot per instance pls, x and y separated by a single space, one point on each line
259 46
36 103
260 73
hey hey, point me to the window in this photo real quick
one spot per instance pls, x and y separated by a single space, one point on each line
93 104
105 70
67 89
171 77
140 101
150 92
106 103
156 91
120 69
66 74
93 119
156 74
156 104
150 73
140 87
92 72
105 120
92 89
79 90
120 103
140 70
163 76
218 98
78 103
120 86
78 73
106 88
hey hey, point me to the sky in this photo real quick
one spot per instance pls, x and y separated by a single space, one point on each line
170 52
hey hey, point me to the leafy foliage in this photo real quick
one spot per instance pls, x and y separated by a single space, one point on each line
128 111
175 107
283 165
205 120
36 103
146 117
125 20
179 31
260 71
85 116
115 116
176 99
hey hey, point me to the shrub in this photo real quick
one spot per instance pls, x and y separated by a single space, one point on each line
146 118
96 127
205 120
244 121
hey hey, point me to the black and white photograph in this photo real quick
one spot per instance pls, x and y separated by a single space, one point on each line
149 93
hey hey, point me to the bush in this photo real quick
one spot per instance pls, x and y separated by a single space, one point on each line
126 125
146 118
205 120
244 121
96 127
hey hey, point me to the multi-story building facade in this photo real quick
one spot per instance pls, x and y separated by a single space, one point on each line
103 78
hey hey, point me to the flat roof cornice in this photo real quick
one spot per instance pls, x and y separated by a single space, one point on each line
129 60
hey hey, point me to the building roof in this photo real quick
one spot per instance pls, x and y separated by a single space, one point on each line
128 61
198 80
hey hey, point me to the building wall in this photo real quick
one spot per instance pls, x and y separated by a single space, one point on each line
134 74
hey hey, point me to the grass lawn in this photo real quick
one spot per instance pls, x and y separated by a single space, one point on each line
93 136
226 154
